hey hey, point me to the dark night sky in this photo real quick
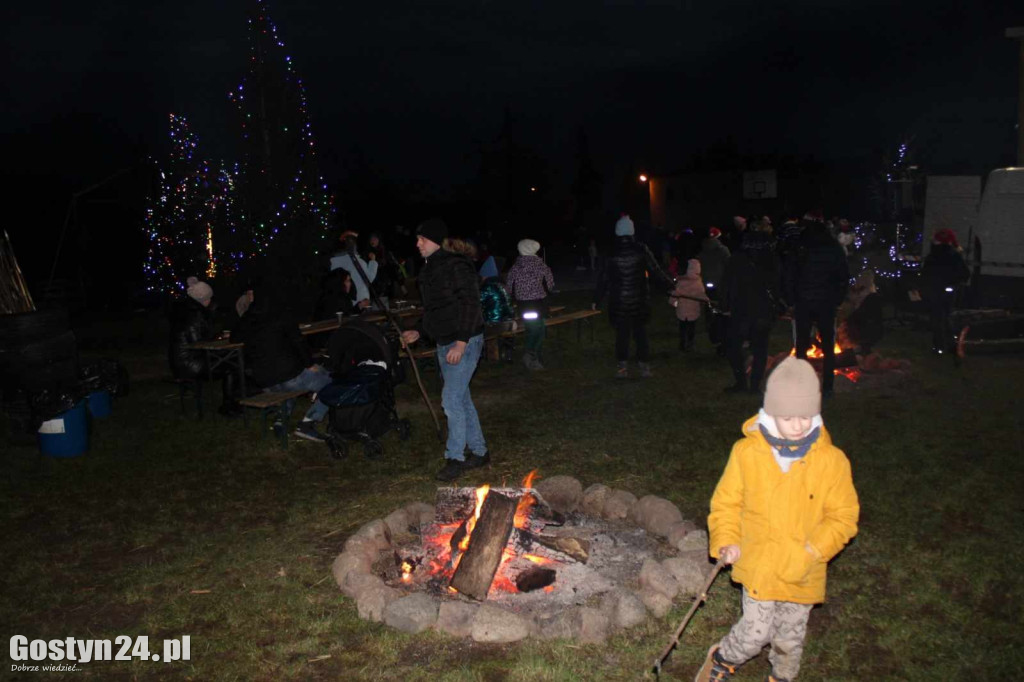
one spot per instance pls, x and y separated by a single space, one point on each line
418 85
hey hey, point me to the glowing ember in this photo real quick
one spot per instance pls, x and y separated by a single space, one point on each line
536 559
406 572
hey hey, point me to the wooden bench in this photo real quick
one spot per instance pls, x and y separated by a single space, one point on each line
266 403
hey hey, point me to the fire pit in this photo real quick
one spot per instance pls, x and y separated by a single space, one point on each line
499 564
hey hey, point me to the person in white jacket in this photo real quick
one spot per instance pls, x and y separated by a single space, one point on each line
342 259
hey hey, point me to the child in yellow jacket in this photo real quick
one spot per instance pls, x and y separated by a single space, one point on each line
784 506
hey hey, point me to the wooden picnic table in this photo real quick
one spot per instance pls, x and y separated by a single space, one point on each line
232 353
330 325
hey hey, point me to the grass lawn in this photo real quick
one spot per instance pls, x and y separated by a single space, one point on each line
172 527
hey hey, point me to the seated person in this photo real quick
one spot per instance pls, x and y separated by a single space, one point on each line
192 321
860 315
280 359
343 259
496 306
495 303
337 295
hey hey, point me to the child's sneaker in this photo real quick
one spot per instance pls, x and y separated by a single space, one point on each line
715 668
645 370
308 431
622 371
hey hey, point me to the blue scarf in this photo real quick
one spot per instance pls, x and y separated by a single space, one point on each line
792 449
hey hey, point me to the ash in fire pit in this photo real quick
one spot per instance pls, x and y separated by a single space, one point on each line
499 564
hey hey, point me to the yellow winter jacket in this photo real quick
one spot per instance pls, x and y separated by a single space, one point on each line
787 525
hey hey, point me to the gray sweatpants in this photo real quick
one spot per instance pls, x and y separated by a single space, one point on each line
782 624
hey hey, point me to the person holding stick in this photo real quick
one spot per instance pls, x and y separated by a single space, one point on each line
452 317
784 506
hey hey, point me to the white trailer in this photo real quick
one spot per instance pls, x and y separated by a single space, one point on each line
998 244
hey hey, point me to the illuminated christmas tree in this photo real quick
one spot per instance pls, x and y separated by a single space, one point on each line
189 216
287 208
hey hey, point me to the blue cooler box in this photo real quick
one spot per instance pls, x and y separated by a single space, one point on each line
67 435
99 404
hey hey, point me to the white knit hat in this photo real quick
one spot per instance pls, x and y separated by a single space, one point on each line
200 291
624 227
528 247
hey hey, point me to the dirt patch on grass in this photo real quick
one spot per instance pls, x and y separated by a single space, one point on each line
466 651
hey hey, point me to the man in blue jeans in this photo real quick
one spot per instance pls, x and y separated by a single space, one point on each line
452 317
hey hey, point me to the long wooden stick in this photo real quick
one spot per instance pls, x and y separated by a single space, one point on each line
700 599
351 248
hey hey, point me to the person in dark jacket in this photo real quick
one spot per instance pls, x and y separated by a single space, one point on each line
280 360
192 321
452 318
713 257
860 325
624 280
751 294
817 277
337 295
944 271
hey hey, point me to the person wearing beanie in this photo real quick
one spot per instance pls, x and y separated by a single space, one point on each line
943 273
817 277
623 279
191 321
529 281
453 319
783 508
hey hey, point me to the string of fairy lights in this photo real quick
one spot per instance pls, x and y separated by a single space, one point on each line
305 202
192 222
192 205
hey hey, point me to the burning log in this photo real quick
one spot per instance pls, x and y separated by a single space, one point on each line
454 505
563 549
487 541
534 578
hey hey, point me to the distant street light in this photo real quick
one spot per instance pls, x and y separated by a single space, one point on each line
643 178
533 189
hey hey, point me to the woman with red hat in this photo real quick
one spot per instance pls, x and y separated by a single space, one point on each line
943 272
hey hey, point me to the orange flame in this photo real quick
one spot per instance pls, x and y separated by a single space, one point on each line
481 494
815 352
406 572
526 502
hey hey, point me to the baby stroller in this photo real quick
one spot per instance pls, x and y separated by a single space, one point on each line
365 368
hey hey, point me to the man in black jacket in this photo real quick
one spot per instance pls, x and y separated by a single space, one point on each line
750 293
817 277
452 317
623 278
280 359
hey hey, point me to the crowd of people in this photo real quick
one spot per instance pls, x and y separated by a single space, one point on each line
762 523
740 282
